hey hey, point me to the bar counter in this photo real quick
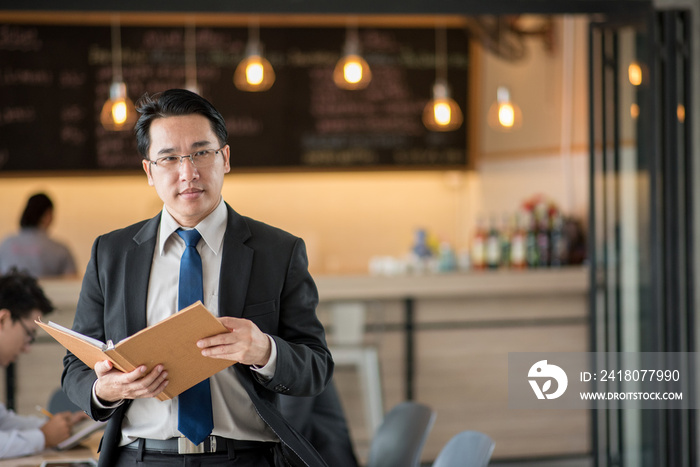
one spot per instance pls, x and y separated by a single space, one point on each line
477 283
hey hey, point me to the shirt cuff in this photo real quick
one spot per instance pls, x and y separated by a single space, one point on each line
97 403
268 371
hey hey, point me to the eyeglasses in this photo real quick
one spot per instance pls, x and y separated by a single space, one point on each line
31 333
199 159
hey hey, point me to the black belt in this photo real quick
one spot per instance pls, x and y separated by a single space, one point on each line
211 444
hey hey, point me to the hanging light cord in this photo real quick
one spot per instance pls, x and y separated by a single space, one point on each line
254 36
352 41
441 54
116 50
191 55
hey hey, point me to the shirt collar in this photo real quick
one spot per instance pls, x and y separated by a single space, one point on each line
212 228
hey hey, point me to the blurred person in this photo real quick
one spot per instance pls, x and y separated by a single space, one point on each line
31 249
21 302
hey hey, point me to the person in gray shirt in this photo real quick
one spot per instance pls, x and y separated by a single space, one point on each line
31 249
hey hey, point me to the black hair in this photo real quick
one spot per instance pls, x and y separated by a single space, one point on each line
171 103
21 294
36 207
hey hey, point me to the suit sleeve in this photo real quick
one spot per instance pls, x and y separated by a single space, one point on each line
77 379
304 363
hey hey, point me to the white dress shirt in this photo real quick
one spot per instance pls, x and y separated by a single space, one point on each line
234 414
19 436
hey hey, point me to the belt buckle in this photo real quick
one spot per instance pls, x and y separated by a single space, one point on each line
185 446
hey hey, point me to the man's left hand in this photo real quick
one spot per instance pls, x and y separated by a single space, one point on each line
245 344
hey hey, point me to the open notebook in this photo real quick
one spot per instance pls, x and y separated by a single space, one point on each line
171 342
81 431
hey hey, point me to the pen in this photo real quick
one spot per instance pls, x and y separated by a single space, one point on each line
44 411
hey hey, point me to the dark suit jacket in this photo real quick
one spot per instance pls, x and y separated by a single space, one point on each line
264 277
321 420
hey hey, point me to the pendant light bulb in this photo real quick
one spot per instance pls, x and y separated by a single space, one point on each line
118 112
680 113
504 115
254 70
442 113
254 73
634 73
352 71
634 111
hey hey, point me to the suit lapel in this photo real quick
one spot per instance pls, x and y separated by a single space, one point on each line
139 259
236 262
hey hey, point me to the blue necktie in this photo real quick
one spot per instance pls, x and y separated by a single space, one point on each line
195 419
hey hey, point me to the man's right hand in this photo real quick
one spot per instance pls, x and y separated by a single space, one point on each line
113 385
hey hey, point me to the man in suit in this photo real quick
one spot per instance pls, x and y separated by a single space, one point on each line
254 277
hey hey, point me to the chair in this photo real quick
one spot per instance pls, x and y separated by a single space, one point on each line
59 402
347 348
399 439
466 449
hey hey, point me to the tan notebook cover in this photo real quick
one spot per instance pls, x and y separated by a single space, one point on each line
172 342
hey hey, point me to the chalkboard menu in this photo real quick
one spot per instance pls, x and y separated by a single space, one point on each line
54 80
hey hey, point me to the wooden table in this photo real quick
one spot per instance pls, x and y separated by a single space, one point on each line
87 450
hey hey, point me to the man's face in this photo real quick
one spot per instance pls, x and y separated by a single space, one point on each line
189 193
16 336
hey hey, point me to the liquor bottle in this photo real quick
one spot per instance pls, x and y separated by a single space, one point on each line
532 257
478 251
493 246
559 242
507 229
543 243
518 258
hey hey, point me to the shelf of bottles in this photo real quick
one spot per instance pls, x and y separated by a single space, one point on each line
538 235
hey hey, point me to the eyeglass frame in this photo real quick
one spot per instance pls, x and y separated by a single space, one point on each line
31 333
185 156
